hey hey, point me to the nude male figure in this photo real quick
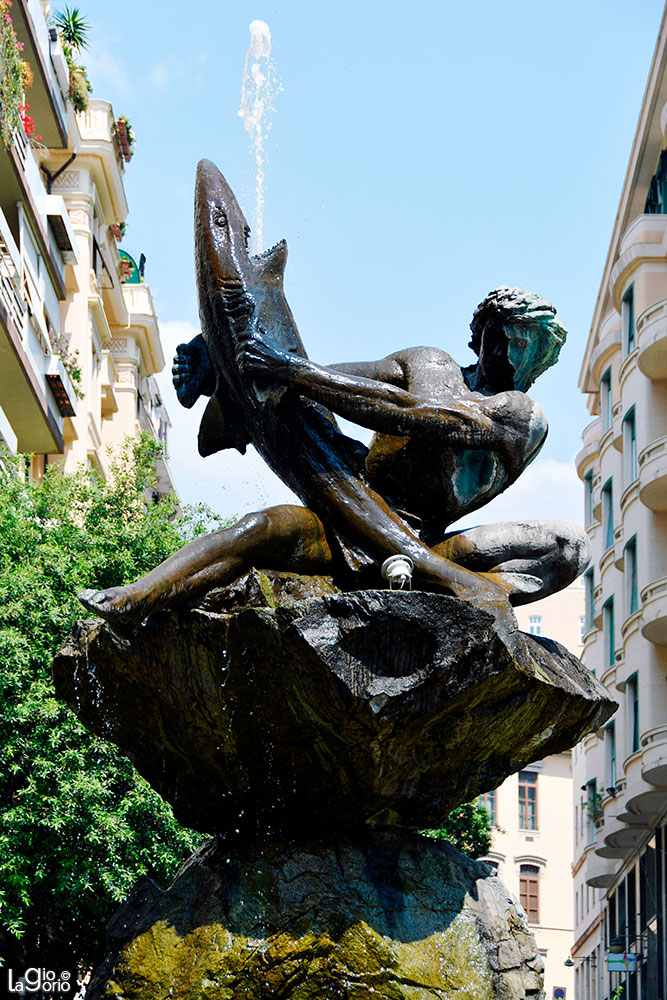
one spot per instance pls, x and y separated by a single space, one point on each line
448 439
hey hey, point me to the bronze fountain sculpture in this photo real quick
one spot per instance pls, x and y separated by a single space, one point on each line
315 726
447 441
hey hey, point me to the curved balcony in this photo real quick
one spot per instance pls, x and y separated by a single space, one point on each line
628 366
604 350
654 758
642 810
619 551
642 242
612 852
629 494
591 445
644 228
617 426
652 341
653 475
608 560
600 872
627 838
630 625
608 846
654 612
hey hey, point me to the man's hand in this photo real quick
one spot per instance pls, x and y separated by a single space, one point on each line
261 360
192 372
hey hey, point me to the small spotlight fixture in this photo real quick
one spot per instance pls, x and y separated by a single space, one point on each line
617 945
397 570
568 962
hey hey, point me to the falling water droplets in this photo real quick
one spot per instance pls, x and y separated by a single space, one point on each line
259 90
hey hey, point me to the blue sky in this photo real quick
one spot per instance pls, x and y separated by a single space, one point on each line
419 156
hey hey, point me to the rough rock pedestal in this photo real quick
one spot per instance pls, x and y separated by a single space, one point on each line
330 712
385 915
311 736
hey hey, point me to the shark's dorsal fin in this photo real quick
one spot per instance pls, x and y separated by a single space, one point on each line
271 265
219 429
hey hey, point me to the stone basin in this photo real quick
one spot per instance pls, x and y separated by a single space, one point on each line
330 712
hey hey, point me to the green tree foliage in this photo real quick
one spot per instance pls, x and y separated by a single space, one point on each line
78 826
468 828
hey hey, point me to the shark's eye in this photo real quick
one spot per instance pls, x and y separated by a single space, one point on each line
219 218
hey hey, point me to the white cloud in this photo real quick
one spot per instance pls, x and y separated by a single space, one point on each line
106 71
172 70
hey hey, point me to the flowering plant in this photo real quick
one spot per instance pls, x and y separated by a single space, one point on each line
16 76
70 360
127 136
28 122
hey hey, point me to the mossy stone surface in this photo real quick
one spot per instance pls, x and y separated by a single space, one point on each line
388 915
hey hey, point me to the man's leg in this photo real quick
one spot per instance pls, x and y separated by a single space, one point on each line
289 538
530 559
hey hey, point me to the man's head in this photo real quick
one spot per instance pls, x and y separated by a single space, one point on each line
519 328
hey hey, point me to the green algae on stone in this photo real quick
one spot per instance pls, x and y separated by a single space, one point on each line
383 915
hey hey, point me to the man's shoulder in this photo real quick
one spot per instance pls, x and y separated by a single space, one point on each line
423 355
522 414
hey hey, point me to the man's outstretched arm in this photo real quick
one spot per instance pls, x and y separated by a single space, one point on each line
381 406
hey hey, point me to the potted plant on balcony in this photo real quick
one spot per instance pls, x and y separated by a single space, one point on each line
595 808
74 28
126 136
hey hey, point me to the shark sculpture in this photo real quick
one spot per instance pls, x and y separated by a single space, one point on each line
241 295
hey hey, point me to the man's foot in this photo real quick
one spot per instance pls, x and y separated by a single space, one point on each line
116 607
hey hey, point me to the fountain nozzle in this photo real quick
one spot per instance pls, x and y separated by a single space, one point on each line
397 570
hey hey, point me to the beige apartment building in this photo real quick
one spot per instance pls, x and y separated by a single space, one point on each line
620 773
532 815
79 337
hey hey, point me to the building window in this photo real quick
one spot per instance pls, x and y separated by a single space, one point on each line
630 571
527 800
591 807
608 632
632 701
488 800
628 319
656 200
529 893
605 400
630 446
610 747
535 624
588 498
589 593
582 627
607 515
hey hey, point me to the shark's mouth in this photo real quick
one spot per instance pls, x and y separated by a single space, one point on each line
267 253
